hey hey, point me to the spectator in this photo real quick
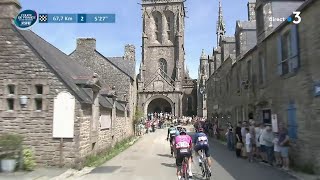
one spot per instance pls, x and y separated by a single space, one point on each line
277 154
253 137
258 132
243 135
268 137
230 136
249 145
243 132
239 142
263 149
284 146
215 130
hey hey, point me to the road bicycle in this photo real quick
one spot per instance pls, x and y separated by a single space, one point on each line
185 168
205 166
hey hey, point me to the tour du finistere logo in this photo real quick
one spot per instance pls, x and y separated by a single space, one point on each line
26 19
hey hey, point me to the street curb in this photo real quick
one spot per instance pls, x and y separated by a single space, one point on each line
287 172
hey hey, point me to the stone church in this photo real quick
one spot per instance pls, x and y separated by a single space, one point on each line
163 81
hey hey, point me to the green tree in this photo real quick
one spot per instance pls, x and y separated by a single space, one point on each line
137 116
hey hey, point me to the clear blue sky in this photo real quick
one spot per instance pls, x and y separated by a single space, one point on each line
111 38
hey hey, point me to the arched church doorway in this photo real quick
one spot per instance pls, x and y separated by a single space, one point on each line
159 105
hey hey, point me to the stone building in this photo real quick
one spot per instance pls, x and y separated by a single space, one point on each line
60 107
203 74
163 84
277 77
117 73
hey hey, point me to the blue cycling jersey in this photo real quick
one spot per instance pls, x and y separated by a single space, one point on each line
201 139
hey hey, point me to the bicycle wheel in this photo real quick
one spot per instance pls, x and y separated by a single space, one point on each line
185 169
206 171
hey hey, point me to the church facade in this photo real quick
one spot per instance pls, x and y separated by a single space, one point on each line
163 81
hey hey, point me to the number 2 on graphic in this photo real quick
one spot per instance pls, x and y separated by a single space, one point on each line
81 18
297 16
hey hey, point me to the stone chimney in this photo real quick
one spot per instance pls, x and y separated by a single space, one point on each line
129 53
9 9
251 10
86 44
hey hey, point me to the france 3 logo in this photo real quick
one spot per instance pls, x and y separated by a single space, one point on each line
26 19
296 19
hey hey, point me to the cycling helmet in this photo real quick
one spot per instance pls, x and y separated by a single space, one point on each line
183 131
200 129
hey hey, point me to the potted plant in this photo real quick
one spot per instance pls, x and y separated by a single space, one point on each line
10 145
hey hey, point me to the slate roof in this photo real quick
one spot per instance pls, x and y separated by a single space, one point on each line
69 71
104 101
127 67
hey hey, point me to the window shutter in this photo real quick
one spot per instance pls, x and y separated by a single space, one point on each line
292 122
294 64
279 47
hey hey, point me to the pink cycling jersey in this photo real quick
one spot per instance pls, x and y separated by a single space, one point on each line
183 141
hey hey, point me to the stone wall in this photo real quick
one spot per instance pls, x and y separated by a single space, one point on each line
276 92
109 74
21 67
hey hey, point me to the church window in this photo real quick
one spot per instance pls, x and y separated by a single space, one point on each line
163 66
158 25
156 21
169 17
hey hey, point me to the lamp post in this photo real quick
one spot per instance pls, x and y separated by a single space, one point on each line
23 101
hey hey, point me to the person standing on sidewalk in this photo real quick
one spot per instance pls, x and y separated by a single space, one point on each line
277 154
284 146
268 137
239 142
253 137
249 145
263 149
230 137
258 131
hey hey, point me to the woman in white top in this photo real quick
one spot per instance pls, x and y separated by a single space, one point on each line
277 150
249 145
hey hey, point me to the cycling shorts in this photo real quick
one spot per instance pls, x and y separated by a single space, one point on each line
204 147
181 156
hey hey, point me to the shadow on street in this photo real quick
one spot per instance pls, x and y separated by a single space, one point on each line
169 165
105 169
165 155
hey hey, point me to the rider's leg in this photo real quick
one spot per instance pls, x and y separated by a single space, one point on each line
178 164
171 139
207 153
190 163
196 150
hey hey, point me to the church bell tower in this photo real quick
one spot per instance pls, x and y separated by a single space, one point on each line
162 65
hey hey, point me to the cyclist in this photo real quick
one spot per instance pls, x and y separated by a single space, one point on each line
201 143
183 145
172 132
